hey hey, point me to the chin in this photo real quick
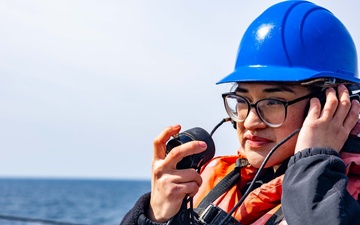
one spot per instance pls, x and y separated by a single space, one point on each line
255 161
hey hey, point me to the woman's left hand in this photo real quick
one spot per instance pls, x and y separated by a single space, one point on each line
331 126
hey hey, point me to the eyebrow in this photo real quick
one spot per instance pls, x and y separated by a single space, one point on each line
277 88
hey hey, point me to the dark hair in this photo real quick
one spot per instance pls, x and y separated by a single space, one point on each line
313 87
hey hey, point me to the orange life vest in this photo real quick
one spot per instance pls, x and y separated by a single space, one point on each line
264 201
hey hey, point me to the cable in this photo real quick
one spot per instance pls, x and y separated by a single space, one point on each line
219 124
227 218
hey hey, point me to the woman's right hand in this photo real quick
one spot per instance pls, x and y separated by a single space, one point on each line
329 127
169 186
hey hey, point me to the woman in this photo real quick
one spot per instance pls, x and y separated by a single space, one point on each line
295 69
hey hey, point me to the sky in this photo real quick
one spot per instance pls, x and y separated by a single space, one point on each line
86 86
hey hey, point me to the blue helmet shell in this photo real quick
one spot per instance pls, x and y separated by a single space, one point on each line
293 41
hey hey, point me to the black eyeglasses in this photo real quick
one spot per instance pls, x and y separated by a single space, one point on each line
271 111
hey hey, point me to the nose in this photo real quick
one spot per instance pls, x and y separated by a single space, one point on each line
253 120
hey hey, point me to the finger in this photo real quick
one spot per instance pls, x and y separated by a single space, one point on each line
314 109
344 104
356 130
353 116
179 183
184 182
160 141
181 151
187 175
330 105
189 188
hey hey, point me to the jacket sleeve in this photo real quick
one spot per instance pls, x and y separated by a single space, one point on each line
136 215
314 190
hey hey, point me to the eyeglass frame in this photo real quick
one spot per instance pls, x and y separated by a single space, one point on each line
255 105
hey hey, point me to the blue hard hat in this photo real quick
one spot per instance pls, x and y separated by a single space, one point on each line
295 41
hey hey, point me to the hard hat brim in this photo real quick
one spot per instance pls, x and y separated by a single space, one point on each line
282 74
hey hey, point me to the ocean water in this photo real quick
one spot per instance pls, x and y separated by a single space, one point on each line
67 201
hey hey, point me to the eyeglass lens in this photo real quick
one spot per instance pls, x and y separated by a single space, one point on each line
271 111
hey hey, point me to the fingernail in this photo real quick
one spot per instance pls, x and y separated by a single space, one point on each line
202 145
329 89
342 86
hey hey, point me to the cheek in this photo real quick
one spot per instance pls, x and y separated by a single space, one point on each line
240 136
294 120
240 130
284 151
295 116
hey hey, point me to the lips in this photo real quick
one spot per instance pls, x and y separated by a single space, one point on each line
256 141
